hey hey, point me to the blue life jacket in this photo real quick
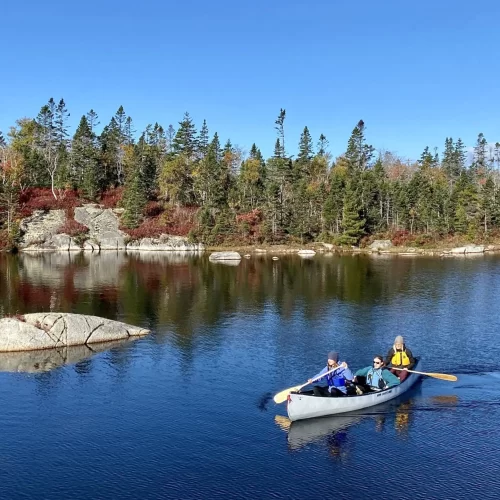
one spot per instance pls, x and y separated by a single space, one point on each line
374 378
336 379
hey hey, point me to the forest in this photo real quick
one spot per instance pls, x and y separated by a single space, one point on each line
184 181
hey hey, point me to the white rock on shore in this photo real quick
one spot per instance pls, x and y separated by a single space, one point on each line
224 256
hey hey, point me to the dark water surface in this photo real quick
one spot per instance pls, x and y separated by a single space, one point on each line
186 412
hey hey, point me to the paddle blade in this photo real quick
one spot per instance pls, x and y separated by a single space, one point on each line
443 376
281 396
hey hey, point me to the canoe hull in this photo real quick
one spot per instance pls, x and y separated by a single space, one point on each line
302 406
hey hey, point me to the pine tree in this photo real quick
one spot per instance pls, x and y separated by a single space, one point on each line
92 120
134 194
83 160
3 143
359 153
322 145
305 147
120 119
185 139
128 131
280 127
203 140
352 224
479 164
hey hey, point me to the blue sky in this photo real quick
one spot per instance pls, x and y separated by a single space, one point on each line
415 72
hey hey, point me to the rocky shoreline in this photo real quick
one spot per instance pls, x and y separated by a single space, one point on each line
41 233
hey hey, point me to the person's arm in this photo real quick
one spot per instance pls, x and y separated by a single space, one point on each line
390 378
362 372
323 371
390 354
413 361
347 374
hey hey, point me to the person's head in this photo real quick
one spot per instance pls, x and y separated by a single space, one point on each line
378 361
399 342
333 359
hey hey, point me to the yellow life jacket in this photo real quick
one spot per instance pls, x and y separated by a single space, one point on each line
400 358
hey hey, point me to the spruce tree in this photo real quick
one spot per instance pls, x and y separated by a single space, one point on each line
185 139
305 147
322 145
83 160
202 141
359 153
352 224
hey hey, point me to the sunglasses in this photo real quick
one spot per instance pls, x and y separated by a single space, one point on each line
377 362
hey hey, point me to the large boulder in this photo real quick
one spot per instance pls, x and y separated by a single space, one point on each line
40 229
381 245
103 224
224 256
165 243
54 330
467 249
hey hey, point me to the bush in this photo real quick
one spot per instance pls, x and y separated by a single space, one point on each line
32 199
112 197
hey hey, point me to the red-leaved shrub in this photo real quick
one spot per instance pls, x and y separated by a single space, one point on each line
73 228
32 199
112 197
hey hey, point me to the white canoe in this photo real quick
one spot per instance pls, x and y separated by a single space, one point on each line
302 406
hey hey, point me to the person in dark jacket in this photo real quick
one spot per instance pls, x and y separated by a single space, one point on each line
399 356
337 381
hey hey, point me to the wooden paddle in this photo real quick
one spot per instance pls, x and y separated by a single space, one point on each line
441 376
283 395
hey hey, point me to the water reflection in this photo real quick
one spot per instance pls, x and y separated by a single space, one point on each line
48 359
333 431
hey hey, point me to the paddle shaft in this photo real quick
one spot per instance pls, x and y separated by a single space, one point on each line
282 395
442 376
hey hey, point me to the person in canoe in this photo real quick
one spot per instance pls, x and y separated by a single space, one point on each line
400 356
338 382
376 377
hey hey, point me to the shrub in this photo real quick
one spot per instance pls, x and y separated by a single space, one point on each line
112 197
32 199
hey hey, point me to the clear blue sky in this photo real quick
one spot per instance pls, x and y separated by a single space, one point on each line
414 71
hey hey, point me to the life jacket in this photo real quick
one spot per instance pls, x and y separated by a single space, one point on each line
374 378
400 358
336 379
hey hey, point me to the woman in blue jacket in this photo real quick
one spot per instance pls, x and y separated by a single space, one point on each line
337 381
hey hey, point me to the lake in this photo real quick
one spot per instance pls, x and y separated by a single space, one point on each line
187 411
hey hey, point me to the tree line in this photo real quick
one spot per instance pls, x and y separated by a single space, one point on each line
305 197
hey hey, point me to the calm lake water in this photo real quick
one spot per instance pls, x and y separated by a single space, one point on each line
186 412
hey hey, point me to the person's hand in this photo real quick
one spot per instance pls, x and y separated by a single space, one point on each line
343 364
355 380
310 381
405 369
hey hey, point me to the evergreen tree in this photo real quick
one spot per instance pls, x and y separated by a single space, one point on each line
352 224
305 147
280 127
128 131
359 153
92 120
83 160
134 193
479 164
322 145
203 140
185 139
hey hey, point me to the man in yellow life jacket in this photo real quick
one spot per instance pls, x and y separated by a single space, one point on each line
400 356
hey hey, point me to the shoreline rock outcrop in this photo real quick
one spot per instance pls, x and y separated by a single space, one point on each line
53 330
40 233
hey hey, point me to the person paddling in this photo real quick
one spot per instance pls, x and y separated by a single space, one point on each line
337 381
377 377
400 356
